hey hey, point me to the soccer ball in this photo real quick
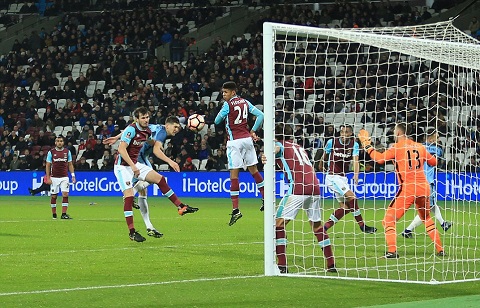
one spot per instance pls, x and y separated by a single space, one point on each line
195 122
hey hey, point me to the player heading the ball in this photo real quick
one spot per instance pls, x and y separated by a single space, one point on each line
128 167
240 150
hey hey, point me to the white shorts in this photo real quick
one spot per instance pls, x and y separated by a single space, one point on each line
241 153
141 185
339 185
59 184
124 174
291 204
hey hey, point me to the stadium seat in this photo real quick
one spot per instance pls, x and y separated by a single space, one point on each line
196 163
339 119
79 154
61 103
389 168
13 8
85 68
464 115
91 90
58 130
350 118
203 164
461 158
101 85
452 113
329 117
163 167
203 131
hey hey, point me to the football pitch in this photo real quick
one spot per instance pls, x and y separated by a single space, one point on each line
200 262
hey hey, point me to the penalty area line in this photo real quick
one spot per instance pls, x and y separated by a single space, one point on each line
146 284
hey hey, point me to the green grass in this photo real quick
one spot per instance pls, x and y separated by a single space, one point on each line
201 261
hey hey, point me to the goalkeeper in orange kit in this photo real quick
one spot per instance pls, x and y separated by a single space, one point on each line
409 158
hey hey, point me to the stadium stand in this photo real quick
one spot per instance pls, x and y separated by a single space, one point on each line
84 77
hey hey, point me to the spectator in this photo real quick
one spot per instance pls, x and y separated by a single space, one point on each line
205 151
474 26
472 166
21 144
89 152
14 163
82 145
106 166
188 165
82 165
221 160
37 162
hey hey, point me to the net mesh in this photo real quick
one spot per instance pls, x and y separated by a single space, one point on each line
427 76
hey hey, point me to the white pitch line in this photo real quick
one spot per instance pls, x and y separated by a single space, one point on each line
127 248
147 284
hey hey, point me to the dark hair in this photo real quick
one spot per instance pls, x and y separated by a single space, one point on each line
60 137
431 131
172 120
405 128
283 132
230 85
346 126
140 111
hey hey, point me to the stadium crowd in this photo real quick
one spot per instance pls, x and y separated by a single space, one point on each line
84 77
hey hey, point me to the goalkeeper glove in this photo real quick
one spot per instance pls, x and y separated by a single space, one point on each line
365 140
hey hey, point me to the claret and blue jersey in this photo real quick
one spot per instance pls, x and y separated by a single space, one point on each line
235 113
340 154
135 138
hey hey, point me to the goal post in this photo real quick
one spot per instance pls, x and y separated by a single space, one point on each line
269 170
427 76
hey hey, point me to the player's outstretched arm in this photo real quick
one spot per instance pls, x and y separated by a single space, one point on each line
157 151
365 139
111 140
378 157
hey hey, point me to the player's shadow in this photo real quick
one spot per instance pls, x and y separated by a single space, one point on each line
14 235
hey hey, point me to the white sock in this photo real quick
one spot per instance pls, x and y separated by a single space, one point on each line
438 214
143 204
415 223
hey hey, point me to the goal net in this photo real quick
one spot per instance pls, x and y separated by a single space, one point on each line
317 80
